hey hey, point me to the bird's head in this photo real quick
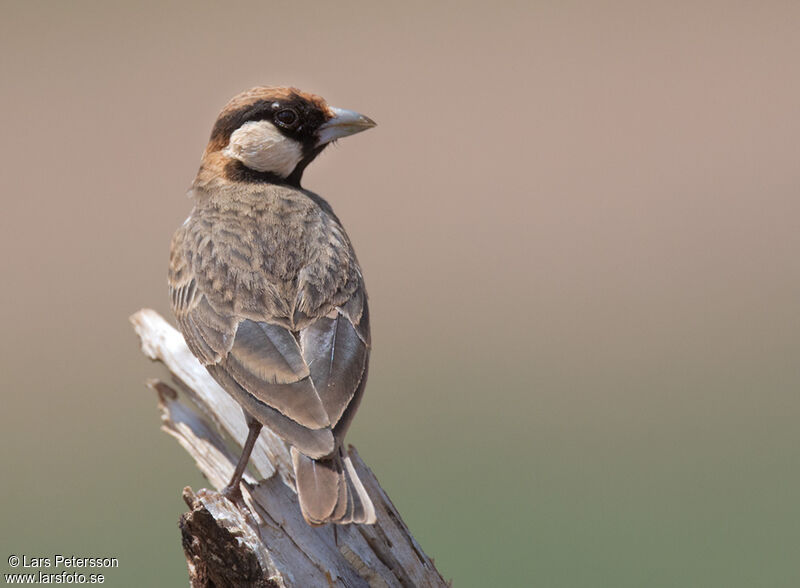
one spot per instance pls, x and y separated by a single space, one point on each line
270 134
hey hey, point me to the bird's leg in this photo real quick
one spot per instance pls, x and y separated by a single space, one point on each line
232 491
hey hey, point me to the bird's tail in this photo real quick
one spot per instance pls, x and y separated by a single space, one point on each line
330 491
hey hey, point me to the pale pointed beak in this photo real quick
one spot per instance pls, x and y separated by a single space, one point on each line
343 124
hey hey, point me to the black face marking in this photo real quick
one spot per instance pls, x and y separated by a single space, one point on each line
301 127
295 117
236 171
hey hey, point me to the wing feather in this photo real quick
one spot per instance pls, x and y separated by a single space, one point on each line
315 443
337 358
266 361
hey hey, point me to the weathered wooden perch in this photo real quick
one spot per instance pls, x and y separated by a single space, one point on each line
271 545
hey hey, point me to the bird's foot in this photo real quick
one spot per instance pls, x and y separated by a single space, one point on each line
234 494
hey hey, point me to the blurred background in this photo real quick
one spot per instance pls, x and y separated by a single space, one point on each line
579 224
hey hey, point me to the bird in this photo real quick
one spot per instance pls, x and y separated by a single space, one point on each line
269 295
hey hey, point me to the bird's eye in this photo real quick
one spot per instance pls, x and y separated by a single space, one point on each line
287 118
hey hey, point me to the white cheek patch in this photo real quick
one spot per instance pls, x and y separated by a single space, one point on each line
262 147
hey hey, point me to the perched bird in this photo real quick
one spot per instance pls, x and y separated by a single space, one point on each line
269 295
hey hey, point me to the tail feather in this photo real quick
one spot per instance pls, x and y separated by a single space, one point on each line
363 509
329 490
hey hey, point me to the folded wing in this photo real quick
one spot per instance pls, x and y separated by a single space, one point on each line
299 386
